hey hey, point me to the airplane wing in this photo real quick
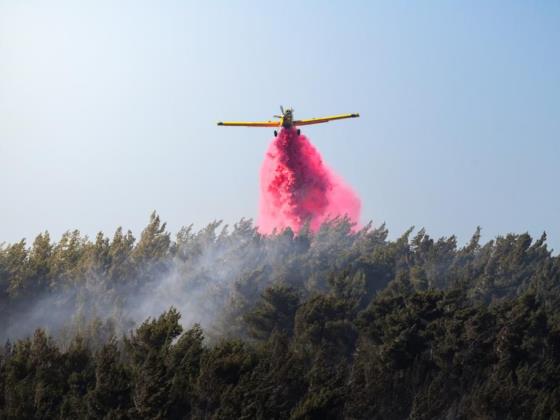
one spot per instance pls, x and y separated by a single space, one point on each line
250 123
324 119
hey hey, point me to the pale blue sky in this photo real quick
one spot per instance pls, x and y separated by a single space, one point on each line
108 110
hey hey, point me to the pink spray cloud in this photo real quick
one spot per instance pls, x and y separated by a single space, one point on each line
297 187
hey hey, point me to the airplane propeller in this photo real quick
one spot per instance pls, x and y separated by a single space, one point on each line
283 112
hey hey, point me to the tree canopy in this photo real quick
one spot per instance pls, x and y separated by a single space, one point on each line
227 323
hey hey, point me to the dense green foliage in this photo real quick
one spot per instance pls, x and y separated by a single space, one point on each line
337 324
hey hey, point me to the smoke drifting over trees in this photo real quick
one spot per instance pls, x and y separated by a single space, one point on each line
228 323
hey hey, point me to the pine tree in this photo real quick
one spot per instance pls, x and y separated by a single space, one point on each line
149 348
111 396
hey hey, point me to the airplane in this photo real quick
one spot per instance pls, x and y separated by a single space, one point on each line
286 120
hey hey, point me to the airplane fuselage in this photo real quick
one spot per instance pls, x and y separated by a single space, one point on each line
287 120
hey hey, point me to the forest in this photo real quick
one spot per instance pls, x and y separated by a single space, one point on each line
226 323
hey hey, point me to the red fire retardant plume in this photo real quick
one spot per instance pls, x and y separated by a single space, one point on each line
298 187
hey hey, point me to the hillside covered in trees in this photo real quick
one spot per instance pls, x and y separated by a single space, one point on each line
226 323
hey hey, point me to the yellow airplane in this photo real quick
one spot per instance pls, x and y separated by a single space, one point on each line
286 120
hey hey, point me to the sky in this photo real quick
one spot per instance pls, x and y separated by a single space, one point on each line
108 111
